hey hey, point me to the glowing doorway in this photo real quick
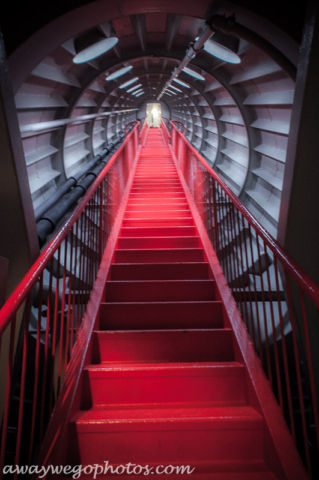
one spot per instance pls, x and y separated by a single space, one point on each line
153 114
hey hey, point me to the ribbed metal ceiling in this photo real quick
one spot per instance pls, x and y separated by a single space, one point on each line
238 117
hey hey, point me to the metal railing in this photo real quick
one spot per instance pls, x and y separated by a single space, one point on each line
41 321
144 131
277 301
165 132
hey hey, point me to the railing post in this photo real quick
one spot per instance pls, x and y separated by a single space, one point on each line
213 191
101 226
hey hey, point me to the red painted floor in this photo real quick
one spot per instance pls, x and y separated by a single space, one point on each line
163 387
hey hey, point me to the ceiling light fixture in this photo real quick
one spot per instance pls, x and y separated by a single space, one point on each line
91 45
134 88
118 73
165 93
137 91
174 88
141 93
192 73
126 84
224 47
181 83
170 91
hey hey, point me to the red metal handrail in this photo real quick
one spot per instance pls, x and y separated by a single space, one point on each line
179 123
133 122
165 132
144 131
48 306
276 299
294 269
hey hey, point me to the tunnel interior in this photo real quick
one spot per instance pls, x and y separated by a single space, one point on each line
237 115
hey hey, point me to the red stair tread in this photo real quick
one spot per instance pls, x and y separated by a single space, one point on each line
218 417
214 369
213 470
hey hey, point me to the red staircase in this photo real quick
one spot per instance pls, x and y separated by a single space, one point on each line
163 387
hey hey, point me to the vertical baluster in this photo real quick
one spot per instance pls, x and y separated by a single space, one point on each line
277 365
100 225
298 372
67 341
60 367
211 230
46 355
310 363
8 391
227 242
265 316
26 321
241 263
252 324
284 351
256 298
36 370
215 215
234 250
54 334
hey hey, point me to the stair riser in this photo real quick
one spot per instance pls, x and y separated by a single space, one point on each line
148 316
162 290
127 391
166 271
151 179
142 210
163 346
162 195
159 170
158 242
154 208
160 191
158 232
166 222
140 214
183 446
159 256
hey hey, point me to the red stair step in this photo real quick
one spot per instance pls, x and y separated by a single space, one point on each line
168 384
158 231
157 242
163 346
219 470
161 195
154 207
181 435
159 255
159 222
161 315
157 271
159 290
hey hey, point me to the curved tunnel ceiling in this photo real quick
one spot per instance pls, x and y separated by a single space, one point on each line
237 117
